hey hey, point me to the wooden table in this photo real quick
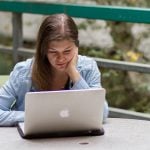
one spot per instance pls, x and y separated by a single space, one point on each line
120 134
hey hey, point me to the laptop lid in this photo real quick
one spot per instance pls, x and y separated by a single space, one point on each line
63 111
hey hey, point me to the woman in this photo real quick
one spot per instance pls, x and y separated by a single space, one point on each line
55 66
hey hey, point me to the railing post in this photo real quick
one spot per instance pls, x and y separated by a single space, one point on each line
17 34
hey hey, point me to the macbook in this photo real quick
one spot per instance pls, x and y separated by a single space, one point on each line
63 113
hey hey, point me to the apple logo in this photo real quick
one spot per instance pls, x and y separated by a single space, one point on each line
64 113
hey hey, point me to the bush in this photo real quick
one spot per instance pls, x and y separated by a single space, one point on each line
6 64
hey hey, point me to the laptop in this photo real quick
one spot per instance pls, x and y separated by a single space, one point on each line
63 113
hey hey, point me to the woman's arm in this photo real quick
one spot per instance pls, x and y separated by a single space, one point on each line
90 77
8 96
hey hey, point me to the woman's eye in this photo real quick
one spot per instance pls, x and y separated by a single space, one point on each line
52 52
67 52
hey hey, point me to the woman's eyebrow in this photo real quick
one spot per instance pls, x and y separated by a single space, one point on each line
53 49
68 47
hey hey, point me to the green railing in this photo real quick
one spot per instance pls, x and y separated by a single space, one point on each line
128 14
111 13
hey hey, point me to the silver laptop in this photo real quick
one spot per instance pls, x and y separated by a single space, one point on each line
63 113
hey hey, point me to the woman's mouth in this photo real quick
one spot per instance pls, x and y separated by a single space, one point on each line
61 65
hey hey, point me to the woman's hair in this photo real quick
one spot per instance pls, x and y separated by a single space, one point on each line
54 28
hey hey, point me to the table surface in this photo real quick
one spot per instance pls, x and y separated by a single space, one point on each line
120 134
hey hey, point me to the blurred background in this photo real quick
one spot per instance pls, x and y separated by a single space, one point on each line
103 39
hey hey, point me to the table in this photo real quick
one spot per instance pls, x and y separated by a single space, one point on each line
120 134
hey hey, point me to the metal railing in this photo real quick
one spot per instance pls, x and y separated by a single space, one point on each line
111 13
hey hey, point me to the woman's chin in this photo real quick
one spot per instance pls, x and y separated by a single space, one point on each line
61 69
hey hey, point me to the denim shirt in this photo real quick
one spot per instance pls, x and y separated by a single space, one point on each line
12 93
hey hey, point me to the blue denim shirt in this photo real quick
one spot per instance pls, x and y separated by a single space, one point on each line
12 93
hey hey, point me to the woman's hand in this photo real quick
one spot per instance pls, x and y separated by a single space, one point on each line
73 62
71 68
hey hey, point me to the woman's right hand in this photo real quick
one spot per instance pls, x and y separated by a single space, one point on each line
72 69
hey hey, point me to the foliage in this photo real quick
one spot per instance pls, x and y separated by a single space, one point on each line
137 3
6 64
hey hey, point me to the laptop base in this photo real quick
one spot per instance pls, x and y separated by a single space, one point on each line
96 132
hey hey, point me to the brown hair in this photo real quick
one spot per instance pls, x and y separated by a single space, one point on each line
54 28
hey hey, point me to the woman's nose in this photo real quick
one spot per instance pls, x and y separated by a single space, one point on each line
61 57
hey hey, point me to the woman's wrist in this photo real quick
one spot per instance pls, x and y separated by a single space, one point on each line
74 74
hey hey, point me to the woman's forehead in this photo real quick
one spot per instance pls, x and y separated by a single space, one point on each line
60 43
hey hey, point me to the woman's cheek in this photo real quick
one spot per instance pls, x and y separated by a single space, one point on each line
51 60
70 57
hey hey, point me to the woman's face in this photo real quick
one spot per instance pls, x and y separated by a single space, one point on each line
60 54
